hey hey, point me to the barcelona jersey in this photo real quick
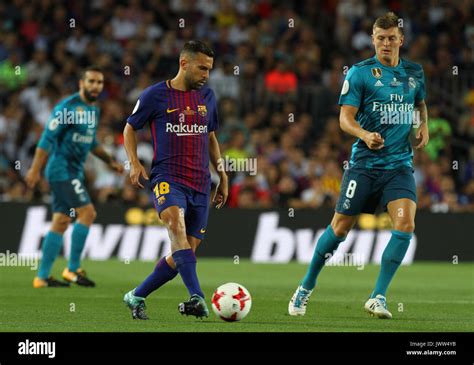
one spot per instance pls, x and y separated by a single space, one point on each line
180 123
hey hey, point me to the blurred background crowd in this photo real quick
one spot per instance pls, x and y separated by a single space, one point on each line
277 75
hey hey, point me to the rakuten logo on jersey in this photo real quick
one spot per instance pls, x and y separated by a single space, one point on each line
186 129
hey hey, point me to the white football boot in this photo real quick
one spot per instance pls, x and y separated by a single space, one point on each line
378 307
297 305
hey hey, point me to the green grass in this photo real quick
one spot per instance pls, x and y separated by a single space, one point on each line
434 296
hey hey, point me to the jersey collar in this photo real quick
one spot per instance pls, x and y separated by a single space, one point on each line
397 67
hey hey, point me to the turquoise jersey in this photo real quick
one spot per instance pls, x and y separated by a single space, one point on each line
385 98
68 137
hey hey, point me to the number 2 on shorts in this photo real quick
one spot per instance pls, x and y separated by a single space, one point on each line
77 186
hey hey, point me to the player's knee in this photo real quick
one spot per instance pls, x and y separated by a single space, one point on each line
404 226
60 225
194 243
340 231
342 224
176 227
341 228
88 215
91 214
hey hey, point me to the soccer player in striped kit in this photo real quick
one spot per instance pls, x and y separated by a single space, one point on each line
182 115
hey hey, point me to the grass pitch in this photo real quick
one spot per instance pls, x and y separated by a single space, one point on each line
423 297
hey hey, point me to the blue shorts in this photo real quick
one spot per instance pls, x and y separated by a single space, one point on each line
363 190
194 203
68 194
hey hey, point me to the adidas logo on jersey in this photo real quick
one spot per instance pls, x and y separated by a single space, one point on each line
378 83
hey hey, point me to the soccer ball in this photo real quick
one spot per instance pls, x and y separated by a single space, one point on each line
231 302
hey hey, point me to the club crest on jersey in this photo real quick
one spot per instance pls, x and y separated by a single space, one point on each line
377 72
202 110
411 82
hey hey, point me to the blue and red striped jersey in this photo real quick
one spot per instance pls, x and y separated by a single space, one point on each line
180 122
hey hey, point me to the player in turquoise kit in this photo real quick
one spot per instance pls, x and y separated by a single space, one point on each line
69 136
381 99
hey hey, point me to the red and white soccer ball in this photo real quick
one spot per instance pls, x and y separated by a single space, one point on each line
231 302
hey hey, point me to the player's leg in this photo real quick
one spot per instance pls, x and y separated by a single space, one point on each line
181 251
51 246
193 242
165 270
329 241
354 198
334 234
86 215
400 200
171 202
195 221
402 212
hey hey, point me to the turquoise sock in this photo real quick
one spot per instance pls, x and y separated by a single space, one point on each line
327 243
52 244
392 257
78 240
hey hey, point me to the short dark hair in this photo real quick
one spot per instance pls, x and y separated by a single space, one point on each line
388 21
194 47
94 68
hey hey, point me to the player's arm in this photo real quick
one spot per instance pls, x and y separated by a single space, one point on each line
34 173
422 132
222 190
103 155
352 95
144 111
136 168
53 130
349 125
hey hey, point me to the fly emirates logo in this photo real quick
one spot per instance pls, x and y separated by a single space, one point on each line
396 105
183 129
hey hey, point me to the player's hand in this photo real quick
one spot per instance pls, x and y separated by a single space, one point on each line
423 134
116 166
222 192
32 177
136 171
374 141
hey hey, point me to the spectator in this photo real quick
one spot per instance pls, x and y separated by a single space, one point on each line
277 85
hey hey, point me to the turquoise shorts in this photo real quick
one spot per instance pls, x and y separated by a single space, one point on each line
364 190
68 194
